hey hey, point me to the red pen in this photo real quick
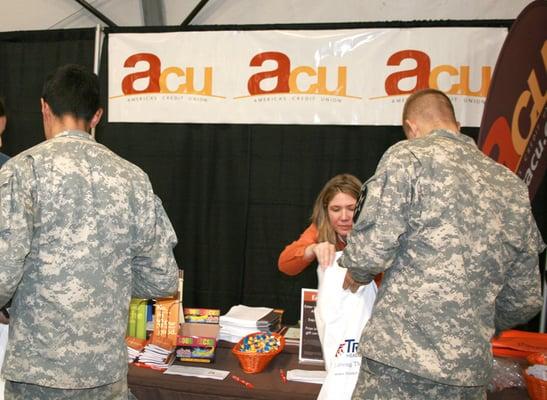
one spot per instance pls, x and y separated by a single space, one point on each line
283 376
248 385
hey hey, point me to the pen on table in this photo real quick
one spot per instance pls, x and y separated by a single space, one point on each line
248 385
283 376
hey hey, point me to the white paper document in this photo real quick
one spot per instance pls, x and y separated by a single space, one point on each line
307 376
197 372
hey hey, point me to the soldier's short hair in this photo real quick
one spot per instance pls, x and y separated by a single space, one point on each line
72 90
430 104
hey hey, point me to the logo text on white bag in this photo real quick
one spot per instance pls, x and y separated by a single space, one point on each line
348 346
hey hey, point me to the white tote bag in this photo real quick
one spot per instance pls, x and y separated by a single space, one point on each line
340 317
4 332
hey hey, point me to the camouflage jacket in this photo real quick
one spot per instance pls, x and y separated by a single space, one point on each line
81 231
454 233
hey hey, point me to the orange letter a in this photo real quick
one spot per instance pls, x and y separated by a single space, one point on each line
421 72
282 73
153 74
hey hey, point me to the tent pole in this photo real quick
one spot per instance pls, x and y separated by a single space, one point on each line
97 58
96 12
194 12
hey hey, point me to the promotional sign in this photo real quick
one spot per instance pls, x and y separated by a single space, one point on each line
513 130
342 77
309 350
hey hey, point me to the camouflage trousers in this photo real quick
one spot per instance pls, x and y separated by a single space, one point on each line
380 382
25 391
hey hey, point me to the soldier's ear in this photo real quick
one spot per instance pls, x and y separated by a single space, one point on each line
411 129
44 107
47 118
96 118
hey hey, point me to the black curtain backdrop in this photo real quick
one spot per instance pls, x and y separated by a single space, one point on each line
26 58
236 194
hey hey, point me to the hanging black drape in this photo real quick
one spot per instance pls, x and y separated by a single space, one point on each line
236 194
26 58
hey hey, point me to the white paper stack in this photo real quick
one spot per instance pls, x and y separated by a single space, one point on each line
156 356
132 354
292 336
307 376
242 320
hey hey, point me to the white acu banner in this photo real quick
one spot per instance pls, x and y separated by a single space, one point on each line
340 77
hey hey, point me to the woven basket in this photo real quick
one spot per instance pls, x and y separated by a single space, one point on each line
253 363
537 358
537 388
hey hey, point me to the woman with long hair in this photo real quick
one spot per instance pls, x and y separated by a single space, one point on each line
331 221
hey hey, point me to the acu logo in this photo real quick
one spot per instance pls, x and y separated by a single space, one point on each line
312 81
427 77
157 77
506 141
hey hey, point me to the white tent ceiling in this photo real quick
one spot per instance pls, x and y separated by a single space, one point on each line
16 15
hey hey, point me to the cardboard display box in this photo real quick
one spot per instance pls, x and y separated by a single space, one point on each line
196 341
202 315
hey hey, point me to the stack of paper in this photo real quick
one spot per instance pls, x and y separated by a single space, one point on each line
292 336
134 347
156 356
132 354
242 320
303 375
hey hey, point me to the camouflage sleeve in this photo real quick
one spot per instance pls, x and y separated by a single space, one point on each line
520 298
15 230
155 271
374 239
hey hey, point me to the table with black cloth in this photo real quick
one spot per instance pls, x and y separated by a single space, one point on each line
148 384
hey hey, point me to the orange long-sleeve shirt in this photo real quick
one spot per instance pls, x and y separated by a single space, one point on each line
291 260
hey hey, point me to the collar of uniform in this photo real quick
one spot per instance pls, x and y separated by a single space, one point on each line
74 134
460 137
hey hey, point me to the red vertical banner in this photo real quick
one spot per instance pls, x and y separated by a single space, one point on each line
513 130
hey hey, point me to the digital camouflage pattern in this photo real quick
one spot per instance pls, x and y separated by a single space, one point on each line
381 382
25 391
454 233
81 231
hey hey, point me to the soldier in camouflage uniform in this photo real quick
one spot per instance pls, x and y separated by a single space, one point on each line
81 231
454 233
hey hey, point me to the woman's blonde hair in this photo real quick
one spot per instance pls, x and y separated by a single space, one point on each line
343 183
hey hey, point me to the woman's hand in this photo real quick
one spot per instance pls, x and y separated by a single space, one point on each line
324 252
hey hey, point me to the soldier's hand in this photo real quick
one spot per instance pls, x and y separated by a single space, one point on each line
4 317
350 283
